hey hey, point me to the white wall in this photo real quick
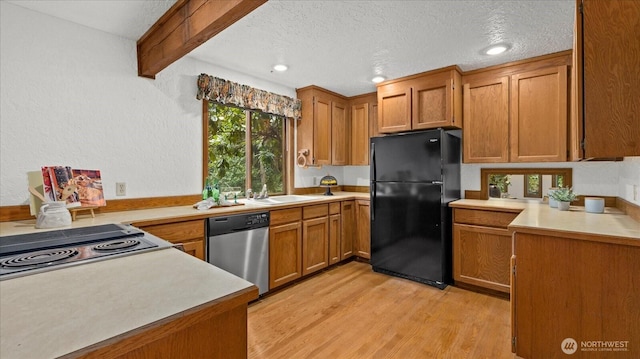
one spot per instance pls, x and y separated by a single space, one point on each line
70 95
629 180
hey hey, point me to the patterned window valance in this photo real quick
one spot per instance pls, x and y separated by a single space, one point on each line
212 88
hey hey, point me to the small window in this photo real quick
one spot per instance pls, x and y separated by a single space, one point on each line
533 186
245 149
557 181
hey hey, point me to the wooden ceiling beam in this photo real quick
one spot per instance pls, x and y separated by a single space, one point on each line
186 25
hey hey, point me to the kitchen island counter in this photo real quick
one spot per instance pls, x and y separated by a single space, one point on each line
612 226
119 305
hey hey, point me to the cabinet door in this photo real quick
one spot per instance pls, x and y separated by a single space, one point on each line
360 134
611 81
572 287
539 115
373 123
334 238
394 107
195 248
432 102
322 130
285 254
348 229
363 243
340 134
315 244
486 121
188 233
481 256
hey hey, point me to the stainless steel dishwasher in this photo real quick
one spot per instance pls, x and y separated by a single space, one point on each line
239 244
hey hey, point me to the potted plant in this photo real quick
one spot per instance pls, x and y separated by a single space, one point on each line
564 196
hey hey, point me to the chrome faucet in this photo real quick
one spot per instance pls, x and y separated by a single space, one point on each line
264 193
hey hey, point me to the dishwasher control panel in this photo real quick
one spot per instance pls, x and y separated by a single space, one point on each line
259 218
237 223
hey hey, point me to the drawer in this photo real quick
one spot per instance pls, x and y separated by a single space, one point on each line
483 218
334 208
179 231
282 216
319 210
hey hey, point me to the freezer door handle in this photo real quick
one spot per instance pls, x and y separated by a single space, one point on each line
436 182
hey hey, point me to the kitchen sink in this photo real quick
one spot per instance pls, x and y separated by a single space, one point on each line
270 201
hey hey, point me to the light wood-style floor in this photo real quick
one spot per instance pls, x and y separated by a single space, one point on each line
352 312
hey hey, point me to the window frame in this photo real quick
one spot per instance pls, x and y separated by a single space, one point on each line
286 143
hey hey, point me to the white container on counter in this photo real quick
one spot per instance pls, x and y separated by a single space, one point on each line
594 204
552 202
53 215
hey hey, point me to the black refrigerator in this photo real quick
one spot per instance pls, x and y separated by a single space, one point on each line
414 176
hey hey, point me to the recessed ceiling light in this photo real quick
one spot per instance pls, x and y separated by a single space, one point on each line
280 68
495 50
377 79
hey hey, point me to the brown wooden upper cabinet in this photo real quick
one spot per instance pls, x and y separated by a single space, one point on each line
517 112
428 100
363 109
324 128
539 115
486 120
606 52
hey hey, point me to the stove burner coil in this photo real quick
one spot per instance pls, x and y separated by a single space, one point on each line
38 258
116 245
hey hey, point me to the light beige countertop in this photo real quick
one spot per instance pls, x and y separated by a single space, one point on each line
178 213
535 217
50 314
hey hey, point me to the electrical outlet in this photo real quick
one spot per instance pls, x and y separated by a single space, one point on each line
121 189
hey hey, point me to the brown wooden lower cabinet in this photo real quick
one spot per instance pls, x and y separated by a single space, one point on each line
307 239
348 229
335 224
578 288
363 242
188 233
315 238
482 248
285 246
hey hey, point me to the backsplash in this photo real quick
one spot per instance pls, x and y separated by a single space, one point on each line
629 180
604 178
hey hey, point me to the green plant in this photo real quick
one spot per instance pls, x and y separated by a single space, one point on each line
563 194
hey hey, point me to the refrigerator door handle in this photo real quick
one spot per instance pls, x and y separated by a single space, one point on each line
436 182
372 161
373 201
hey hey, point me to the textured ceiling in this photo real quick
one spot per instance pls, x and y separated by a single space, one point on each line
126 18
341 45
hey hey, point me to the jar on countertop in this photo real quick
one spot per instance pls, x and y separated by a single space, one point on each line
53 215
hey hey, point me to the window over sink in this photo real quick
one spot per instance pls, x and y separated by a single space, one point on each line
243 149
